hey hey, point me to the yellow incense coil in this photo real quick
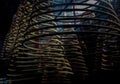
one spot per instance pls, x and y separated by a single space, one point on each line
60 43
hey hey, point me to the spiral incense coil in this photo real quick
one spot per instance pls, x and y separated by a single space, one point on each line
12 34
49 49
76 58
10 37
20 65
86 27
108 42
62 42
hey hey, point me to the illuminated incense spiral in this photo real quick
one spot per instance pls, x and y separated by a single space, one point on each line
62 42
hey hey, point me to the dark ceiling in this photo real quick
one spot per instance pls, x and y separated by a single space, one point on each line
8 9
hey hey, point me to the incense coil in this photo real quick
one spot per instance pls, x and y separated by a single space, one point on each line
76 57
20 68
85 25
48 49
56 31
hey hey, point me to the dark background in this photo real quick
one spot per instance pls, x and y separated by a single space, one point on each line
8 9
